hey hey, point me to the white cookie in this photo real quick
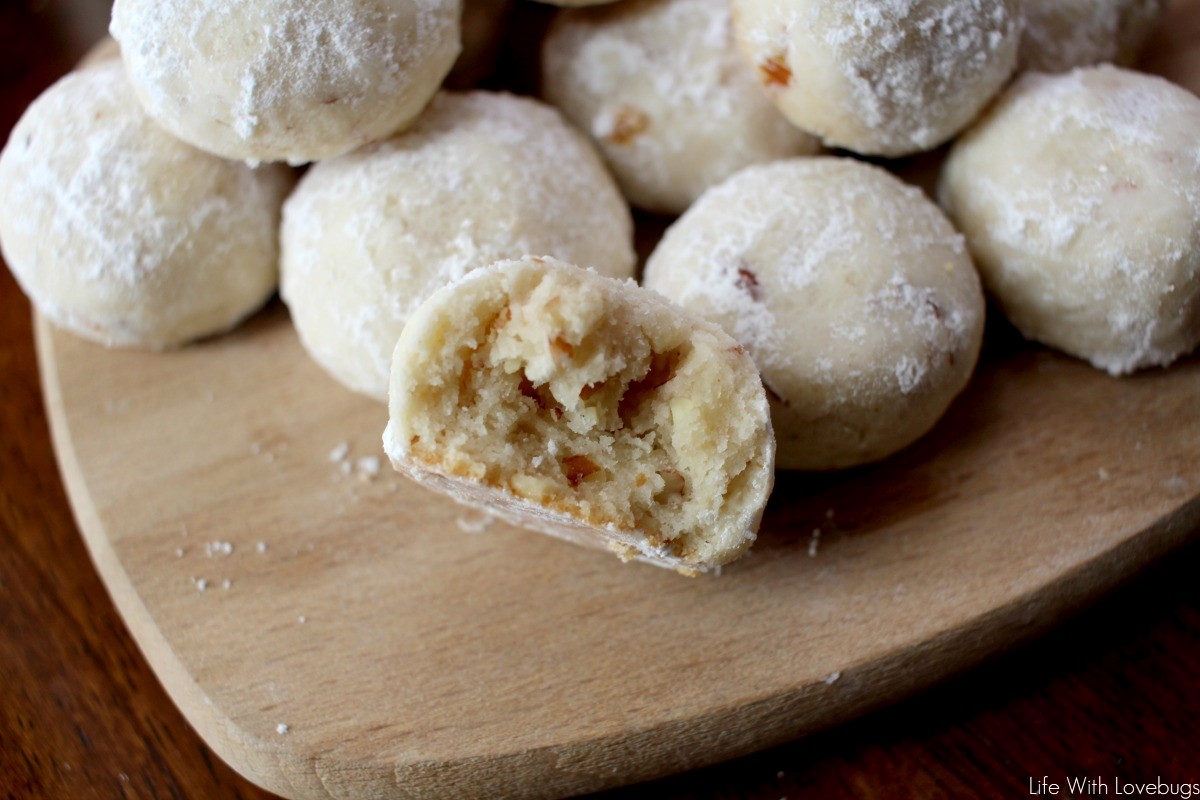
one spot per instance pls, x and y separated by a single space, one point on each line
286 80
481 177
1079 195
880 77
670 120
850 289
587 408
125 235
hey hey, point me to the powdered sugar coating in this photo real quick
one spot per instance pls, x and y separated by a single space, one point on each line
852 292
880 77
1063 34
295 80
1080 198
125 235
670 121
481 177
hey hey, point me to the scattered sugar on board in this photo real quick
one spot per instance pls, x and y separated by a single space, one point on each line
814 542
261 547
471 523
218 548
831 678
367 467
281 728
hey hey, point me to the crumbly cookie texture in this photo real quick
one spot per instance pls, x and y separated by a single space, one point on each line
851 290
670 121
286 80
121 233
1063 34
587 408
481 177
880 77
1079 195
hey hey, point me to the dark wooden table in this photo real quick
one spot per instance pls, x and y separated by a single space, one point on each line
1115 693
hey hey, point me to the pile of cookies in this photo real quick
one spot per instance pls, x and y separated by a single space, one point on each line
468 256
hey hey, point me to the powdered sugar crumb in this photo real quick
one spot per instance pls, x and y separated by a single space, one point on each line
474 523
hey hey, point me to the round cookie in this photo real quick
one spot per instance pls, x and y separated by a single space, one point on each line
125 235
587 408
670 121
850 289
1079 195
1063 34
880 77
286 80
481 177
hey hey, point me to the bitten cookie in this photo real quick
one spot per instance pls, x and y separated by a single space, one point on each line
587 408
850 289
1079 195
670 120
121 233
286 80
880 77
481 177
1063 34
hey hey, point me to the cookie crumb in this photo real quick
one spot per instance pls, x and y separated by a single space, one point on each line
218 548
368 467
474 523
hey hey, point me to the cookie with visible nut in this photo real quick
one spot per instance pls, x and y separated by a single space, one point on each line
852 291
670 121
587 408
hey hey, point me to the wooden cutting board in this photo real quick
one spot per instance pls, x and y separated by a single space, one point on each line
331 631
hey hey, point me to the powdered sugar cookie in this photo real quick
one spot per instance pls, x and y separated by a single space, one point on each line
670 120
850 289
294 80
125 235
1063 34
481 177
1079 195
880 77
587 408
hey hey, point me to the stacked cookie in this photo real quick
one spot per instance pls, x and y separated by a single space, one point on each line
469 256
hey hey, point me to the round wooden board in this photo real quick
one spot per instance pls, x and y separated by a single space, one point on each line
360 637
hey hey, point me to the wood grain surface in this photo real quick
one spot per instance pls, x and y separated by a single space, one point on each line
82 717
